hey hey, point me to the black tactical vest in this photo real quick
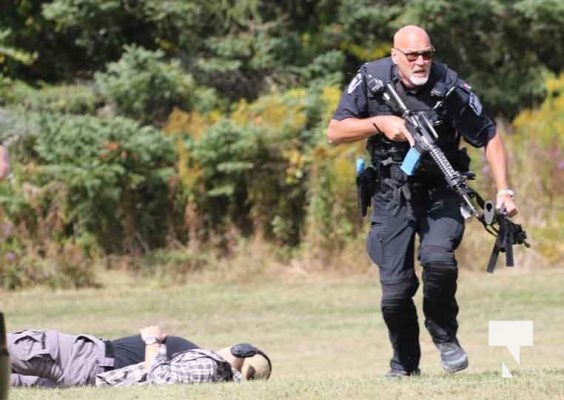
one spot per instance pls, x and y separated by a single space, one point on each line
385 153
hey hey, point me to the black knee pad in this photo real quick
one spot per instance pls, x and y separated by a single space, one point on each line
436 255
392 309
439 281
393 293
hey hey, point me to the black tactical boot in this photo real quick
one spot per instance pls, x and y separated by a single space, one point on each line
453 356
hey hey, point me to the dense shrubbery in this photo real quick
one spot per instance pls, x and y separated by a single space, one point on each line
101 184
538 156
64 99
166 133
243 48
143 87
92 186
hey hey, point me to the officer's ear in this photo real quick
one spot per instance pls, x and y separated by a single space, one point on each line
394 55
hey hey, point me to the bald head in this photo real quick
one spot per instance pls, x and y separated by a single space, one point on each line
412 54
411 37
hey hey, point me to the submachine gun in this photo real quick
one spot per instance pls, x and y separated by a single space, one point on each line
496 222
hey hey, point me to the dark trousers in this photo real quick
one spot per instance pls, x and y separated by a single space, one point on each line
435 218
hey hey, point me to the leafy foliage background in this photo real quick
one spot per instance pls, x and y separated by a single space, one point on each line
141 129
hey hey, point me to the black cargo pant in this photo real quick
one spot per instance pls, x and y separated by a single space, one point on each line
435 217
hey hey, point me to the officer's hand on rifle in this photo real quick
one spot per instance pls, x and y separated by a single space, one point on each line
393 128
504 199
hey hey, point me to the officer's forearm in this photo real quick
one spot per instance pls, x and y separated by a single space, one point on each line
350 130
497 159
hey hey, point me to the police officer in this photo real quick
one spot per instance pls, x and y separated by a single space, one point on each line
422 204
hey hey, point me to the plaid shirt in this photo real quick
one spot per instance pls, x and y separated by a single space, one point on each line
188 367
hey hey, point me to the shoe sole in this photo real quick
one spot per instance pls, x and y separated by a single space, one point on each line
458 368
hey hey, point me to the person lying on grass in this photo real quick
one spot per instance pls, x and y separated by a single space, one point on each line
49 358
235 363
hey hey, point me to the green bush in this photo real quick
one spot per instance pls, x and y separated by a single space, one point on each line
145 87
68 99
105 179
252 169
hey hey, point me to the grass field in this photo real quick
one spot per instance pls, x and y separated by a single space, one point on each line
323 332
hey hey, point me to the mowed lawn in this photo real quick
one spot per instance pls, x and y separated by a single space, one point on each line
323 332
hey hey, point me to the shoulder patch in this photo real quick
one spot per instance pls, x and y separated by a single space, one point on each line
354 83
464 86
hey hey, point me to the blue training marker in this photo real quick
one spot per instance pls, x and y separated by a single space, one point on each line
359 165
411 161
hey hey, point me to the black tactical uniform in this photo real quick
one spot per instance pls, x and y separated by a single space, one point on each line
422 203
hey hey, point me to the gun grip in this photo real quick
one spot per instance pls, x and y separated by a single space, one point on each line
411 161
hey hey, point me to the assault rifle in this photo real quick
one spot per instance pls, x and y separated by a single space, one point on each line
496 222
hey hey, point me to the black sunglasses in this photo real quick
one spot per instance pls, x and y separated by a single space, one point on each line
245 350
414 55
